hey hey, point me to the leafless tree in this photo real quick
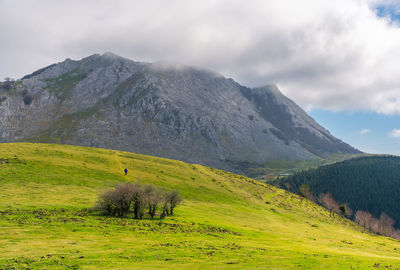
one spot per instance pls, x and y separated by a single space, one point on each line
138 202
135 198
173 199
326 199
373 224
382 226
363 218
164 204
385 225
170 201
305 192
117 201
106 204
152 199
124 193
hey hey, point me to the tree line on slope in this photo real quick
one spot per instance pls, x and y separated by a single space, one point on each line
138 200
382 226
326 200
369 184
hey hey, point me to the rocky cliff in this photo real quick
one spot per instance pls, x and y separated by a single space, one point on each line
178 112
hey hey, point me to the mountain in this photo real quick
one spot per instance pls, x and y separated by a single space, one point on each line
172 111
225 221
369 184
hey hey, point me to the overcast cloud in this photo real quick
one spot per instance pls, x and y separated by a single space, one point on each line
336 55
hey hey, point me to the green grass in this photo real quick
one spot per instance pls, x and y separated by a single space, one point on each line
225 221
62 85
273 168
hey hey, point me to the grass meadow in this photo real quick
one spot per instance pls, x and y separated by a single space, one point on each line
226 221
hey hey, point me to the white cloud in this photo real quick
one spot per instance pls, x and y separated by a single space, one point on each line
365 131
327 54
395 133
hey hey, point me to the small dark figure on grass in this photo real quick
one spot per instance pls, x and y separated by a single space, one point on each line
126 171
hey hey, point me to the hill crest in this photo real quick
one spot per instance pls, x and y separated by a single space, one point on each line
225 220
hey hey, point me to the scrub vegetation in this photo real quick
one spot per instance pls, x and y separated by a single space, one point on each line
137 200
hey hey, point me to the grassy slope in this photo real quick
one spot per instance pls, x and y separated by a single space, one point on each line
271 169
226 221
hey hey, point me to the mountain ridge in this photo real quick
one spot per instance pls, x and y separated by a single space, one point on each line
174 111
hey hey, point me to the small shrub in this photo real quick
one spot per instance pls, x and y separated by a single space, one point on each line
138 200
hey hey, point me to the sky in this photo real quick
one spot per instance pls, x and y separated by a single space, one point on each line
339 60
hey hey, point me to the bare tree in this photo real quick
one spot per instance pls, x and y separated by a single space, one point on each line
170 201
135 198
373 224
106 204
123 196
385 225
361 218
327 200
382 226
164 206
152 199
117 201
173 200
369 222
364 219
164 210
305 192
138 201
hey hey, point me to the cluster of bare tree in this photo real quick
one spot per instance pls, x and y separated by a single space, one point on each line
138 200
326 200
305 192
382 226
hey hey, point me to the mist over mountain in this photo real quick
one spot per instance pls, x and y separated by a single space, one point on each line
172 111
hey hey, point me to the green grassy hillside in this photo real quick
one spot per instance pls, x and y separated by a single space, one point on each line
225 220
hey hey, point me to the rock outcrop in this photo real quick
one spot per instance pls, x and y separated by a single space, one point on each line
178 112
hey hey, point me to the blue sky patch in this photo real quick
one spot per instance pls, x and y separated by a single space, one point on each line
367 131
389 11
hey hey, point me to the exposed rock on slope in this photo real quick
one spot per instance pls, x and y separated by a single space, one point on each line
181 112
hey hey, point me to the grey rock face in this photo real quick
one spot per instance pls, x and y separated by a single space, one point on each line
181 112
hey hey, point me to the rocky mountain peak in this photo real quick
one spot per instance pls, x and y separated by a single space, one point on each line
173 111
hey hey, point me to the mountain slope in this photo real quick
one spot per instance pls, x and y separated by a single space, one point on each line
369 184
177 112
225 221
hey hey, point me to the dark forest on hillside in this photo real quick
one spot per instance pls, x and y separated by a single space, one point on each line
368 183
